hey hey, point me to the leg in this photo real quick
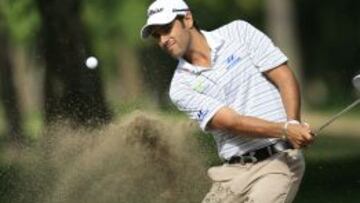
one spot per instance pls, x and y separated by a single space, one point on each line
223 177
219 193
279 186
274 180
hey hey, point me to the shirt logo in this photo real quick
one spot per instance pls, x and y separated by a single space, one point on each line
201 114
199 85
232 60
155 11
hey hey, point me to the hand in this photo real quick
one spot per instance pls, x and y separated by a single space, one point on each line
299 135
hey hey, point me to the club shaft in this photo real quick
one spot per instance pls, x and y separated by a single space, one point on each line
333 118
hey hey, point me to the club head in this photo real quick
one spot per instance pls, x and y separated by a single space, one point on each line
356 82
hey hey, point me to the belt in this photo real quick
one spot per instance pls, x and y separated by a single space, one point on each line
260 154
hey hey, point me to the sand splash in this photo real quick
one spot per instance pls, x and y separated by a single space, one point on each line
143 158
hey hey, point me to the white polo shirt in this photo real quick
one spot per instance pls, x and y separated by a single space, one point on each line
239 55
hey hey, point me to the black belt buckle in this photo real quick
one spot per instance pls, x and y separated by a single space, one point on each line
282 146
251 158
263 153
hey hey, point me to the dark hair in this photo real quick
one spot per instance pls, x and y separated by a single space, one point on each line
181 18
196 26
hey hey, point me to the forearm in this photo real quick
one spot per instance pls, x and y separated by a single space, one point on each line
230 121
289 90
256 127
290 95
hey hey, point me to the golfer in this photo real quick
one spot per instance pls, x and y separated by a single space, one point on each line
237 85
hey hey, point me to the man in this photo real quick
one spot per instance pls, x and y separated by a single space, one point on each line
238 86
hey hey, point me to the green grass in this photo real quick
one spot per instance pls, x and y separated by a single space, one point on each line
332 172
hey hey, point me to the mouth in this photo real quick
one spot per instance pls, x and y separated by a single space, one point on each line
169 45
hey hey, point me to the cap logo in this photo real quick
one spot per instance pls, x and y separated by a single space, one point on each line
180 10
154 11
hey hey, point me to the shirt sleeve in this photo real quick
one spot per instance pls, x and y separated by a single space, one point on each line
197 106
264 54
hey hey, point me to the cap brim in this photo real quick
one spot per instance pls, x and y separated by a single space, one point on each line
147 29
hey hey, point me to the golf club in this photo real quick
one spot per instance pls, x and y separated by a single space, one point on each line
356 83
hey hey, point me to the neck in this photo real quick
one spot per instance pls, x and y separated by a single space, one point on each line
198 52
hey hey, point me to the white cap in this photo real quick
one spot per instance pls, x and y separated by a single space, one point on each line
162 12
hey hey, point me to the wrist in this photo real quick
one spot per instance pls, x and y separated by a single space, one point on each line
286 126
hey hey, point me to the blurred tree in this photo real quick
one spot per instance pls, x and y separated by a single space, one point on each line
8 93
131 78
22 20
281 24
157 68
71 90
330 38
114 26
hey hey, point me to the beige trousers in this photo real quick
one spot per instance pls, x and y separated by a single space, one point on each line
275 179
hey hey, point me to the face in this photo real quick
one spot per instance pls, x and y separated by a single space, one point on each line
174 38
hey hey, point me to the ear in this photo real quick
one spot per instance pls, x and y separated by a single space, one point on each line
188 20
